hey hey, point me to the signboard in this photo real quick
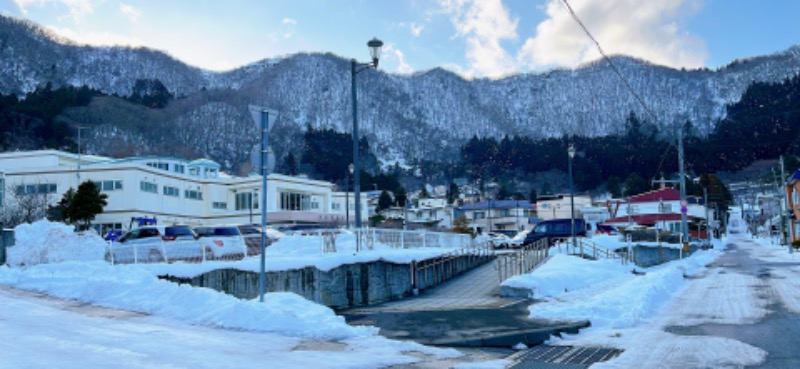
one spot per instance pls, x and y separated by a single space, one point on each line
684 206
683 210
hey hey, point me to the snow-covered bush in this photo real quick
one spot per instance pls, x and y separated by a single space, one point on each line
50 242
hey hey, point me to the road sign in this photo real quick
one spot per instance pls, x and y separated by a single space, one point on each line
684 203
683 210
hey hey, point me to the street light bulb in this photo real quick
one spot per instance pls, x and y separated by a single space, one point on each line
351 168
571 151
375 50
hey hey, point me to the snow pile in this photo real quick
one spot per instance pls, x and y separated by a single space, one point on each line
564 273
605 292
49 242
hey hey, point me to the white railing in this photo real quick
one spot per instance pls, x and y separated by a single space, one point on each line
398 239
522 260
191 251
586 247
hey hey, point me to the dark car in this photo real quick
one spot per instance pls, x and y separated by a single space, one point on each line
555 230
606 229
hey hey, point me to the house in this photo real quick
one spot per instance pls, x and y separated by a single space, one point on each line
503 216
174 190
659 208
429 212
793 198
558 206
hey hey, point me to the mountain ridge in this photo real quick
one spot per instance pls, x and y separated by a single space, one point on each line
424 115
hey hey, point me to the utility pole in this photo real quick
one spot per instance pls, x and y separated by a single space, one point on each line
79 153
684 225
708 221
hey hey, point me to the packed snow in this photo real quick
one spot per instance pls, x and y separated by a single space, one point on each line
41 263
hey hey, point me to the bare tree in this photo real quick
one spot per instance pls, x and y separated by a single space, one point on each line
25 207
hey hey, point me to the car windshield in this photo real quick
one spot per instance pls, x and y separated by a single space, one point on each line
226 231
248 230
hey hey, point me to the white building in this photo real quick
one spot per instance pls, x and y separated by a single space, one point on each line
174 190
558 206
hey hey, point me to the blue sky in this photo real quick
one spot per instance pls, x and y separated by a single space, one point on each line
476 38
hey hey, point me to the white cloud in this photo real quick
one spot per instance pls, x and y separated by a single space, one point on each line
130 12
416 29
484 24
76 8
644 29
390 52
288 27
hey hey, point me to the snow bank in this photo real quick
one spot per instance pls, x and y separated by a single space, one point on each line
48 242
564 273
131 287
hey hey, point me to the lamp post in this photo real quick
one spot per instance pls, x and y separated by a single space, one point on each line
263 118
355 68
347 196
571 153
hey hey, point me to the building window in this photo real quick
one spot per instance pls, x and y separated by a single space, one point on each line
33 189
219 205
245 200
479 215
162 166
336 206
148 187
293 201
106 186
172 191
193 195
180 168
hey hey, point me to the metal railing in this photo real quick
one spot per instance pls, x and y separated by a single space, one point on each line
432 271
190 251
523 260
588 248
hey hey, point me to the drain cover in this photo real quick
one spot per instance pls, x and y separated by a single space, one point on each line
561 357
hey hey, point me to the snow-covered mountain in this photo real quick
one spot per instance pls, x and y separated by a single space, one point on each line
425 115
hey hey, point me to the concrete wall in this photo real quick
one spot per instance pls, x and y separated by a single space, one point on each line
646 256
347 286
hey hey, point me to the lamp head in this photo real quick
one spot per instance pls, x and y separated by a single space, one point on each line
351 168
571 151
375 50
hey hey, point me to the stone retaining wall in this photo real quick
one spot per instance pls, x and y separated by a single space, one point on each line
347 286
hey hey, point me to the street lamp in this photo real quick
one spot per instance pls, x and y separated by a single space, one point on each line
79 152
571 153
347 196
355 68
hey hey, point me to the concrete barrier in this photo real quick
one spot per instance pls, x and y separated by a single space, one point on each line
347 286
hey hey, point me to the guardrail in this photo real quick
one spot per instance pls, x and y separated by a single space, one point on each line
523 260
191 251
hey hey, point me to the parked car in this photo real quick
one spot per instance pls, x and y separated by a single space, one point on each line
222 242
156 244
252 237
555 230
606 229
498 240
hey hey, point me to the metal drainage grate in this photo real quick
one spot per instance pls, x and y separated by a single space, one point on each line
562 357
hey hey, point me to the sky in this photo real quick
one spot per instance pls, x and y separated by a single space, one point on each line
475 38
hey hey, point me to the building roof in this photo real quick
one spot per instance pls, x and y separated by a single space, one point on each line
496 204
651 219
665 194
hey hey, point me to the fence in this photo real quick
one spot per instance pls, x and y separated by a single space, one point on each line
433 271
398 239
587 248
158 251
523 260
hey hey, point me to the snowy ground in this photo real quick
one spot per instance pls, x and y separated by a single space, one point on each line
88 314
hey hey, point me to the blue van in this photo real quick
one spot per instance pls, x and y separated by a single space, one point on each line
555 230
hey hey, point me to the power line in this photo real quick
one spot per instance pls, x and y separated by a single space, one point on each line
618 73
